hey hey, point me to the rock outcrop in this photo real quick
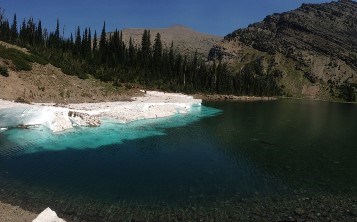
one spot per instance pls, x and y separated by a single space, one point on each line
84 119
314 47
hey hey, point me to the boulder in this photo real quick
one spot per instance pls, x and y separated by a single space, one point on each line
48 215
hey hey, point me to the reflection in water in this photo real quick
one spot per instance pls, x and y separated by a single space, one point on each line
308 144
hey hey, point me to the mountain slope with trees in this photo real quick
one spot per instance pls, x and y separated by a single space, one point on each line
185 40
312 51
88 54
309 52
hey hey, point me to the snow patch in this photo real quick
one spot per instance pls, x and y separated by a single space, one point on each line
152 105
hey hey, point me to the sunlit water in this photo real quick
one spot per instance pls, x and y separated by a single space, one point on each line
234 149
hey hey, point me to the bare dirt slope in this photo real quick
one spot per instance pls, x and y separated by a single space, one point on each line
186 40
46 83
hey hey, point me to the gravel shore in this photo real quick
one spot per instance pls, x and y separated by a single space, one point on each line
295 208
9 213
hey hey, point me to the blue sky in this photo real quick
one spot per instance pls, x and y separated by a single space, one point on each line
209 16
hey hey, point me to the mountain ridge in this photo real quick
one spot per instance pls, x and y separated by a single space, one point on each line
315 42
185 39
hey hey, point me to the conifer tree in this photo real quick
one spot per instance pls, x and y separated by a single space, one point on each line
157 48
14 32
78 42
103 45
157 54
95 41
57 34
31 31
2 12
23 34
39 33
89 42
146 43
131 52
145 48
84 43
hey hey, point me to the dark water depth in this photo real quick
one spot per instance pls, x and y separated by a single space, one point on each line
249 149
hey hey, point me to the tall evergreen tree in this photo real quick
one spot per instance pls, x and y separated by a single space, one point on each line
103 45
31 30
89 42
14 32
57 34
157 53
95 41
131 52
71 39
23 32
78 42
84 43
39 33
145 47
2 15
157 48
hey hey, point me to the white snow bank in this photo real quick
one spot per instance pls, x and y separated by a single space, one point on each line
48 215
152 105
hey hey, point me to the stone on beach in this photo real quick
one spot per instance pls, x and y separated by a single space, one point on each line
48 215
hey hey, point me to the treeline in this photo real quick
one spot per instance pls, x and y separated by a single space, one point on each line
108 58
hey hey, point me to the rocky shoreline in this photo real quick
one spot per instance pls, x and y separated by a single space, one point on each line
320 207
217 97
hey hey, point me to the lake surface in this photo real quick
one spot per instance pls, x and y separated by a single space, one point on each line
219 151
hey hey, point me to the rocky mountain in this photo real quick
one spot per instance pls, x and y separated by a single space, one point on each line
186 40
313 49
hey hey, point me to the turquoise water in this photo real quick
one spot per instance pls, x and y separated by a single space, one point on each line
19 141
232 150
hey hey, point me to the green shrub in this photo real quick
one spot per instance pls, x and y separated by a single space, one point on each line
38 59
21 64
4 71
20 59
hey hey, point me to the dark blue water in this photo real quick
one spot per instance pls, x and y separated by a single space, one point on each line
235 150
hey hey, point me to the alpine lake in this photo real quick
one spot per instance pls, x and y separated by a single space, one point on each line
224 161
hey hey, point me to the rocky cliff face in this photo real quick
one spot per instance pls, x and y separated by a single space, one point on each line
314 47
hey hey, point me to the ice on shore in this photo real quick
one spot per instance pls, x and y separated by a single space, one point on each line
152 105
